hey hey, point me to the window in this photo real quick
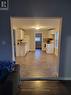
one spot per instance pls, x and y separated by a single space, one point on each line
37 39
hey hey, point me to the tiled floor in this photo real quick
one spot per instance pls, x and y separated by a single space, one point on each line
38 64
45 88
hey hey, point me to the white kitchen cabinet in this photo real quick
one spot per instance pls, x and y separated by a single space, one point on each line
50 48
19 34
23 47
20 50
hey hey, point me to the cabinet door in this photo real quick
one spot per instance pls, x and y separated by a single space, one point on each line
19 34
50 48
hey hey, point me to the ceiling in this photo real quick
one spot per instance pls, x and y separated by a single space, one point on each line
32 23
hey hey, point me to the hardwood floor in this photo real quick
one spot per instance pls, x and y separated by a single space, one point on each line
41 65
45 88
38 64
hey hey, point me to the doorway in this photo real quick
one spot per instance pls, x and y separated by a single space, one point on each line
44 63
38 41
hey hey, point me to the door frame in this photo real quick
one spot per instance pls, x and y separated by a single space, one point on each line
59 44
34 38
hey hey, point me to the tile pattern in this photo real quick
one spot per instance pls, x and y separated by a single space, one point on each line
38 64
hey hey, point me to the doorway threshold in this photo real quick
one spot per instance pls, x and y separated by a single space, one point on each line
33 79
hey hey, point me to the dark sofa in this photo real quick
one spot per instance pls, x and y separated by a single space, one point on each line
9 86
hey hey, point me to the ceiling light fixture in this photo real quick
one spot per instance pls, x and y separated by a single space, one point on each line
37 28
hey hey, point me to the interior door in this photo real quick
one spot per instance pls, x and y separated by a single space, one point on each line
38 41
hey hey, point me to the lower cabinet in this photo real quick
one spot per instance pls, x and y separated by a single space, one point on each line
50 48
22 49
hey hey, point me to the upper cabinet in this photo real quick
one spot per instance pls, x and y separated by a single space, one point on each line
20 34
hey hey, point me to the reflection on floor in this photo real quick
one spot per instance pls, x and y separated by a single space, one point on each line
45 88
38 64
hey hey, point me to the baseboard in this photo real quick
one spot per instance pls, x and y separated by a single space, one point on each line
64 78
51 79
